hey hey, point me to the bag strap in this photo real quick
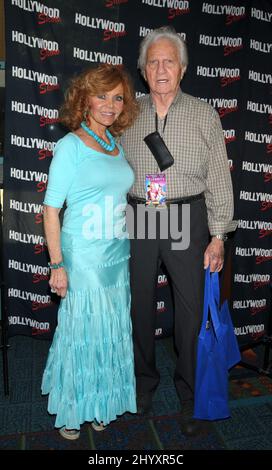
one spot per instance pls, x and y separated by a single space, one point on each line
215 287
214 304
210 304
207 290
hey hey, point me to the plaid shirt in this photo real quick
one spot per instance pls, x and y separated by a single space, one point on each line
193 134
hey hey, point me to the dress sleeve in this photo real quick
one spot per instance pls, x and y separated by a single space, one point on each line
61 172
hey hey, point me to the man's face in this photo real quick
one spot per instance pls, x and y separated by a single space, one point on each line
163 70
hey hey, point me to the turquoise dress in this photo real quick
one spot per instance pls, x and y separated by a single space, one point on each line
90 368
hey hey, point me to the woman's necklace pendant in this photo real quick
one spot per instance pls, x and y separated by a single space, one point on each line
109 147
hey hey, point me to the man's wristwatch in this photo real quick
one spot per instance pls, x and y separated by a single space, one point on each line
221 236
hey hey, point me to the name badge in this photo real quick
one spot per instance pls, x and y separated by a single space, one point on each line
155 190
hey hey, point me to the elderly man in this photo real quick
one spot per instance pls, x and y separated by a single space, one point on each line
200 178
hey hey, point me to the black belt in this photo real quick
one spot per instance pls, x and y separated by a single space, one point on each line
181 200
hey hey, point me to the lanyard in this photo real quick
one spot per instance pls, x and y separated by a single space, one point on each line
164 122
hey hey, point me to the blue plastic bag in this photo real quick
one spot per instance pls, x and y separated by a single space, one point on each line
232 348
217 352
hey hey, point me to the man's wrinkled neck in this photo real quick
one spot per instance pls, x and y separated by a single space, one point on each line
162 102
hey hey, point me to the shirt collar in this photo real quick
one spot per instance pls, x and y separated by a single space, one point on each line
177 100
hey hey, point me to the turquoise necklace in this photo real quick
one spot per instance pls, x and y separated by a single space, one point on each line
109 147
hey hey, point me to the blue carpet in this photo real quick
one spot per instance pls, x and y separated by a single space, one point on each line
250 425
25 423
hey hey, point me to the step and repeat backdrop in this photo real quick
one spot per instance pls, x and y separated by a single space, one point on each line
230 46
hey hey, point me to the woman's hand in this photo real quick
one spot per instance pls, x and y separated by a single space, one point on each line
59 282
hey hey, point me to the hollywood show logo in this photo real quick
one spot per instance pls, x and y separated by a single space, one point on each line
46 53
41 186
40 248
46 82
111 29
260 138
39 278
38 218
113 3
256 310
46 121
262 259
256 329
40 305
255 306
226 75
264 233
175 7
268 148
108 34
37 331
231 49
225 81
256 336
36 278
43 18
233 13
224 110
160 306
173 12
44 153
230 44
37 327
46 47
158 332
258 284
267 177
47 87
233 18
266 205
261 255
256 280
162 280
223 105
38 177
42 329
229 135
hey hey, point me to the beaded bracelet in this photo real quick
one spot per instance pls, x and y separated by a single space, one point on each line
56 265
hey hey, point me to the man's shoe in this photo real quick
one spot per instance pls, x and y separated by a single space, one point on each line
144 403
190 426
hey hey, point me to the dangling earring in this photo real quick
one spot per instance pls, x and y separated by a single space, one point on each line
85 114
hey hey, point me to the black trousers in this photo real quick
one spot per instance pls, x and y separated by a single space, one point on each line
185 268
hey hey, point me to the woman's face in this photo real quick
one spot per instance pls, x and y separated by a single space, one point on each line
104 109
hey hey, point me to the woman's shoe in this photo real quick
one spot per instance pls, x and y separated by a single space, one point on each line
70 434
98 426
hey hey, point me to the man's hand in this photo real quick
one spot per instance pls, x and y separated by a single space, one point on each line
214 255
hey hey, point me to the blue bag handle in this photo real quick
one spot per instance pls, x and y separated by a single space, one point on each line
210 301
214 304
207 289
215 287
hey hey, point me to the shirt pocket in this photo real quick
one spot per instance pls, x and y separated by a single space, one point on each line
192 158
